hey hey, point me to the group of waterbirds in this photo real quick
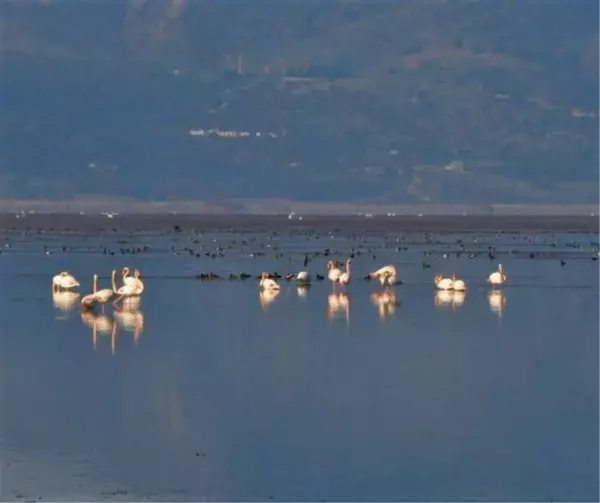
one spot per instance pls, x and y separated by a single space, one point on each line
133 286
386 275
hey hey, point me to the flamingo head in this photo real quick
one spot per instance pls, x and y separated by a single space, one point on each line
125 271
290 276
137 273
330 264
437 278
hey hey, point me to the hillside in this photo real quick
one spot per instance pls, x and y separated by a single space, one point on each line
457 101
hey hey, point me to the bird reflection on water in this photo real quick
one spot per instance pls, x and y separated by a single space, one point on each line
129 319
64 300
386 303
302 291
497 302
338 302
267 297
449 298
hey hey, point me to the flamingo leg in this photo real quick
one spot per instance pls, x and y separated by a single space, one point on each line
117 300
113 338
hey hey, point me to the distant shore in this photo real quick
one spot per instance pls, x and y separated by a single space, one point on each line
161 223
91 206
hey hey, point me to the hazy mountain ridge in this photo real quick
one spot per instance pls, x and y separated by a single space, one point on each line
402 102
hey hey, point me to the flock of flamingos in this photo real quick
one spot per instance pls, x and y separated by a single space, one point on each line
450 289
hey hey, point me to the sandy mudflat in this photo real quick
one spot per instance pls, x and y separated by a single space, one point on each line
160 223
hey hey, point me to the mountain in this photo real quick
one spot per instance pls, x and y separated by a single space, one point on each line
413 101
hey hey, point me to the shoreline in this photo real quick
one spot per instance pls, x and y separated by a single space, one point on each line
268 207
76 223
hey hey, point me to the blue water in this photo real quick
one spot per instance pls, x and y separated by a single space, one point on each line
207 391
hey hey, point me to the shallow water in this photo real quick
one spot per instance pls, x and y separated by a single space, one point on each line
209 392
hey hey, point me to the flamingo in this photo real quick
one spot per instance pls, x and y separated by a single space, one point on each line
303 277
64 280
458 284
134 280
102 296
137 275
498 277
388 278
385 269
443 283
334 273
127 290
267 283
347 274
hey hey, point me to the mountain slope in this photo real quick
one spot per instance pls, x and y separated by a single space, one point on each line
413 101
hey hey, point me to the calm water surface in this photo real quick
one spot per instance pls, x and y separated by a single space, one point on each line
206 391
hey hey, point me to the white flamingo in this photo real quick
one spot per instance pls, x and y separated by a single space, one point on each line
390 269
103 296
346 276
498 277
303 277
134 280
334 273
388 277
443 283
267 283
458 284
64 281
127 290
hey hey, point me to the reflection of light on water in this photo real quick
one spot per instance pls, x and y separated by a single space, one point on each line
385 302
130 320
103 324
497 302
267 297
338 303
449 298
65 300
132 303
302 291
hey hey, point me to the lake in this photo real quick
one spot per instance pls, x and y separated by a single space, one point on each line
208 390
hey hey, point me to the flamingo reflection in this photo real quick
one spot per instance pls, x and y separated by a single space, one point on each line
267 297
130 318
449 298
64 300
338 302
497 302
302 291
385 302
103 324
